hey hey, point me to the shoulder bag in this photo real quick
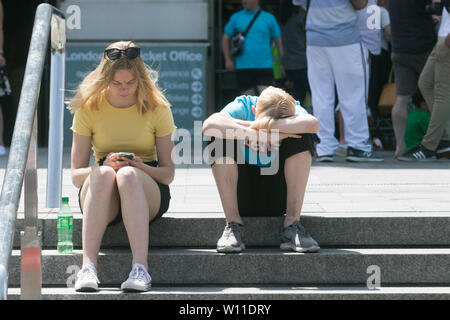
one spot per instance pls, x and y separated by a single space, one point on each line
237 41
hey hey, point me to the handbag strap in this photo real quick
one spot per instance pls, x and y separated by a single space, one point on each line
251 23
308 4
446 4
390 75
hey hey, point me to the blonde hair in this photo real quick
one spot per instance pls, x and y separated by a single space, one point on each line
92 88
273 104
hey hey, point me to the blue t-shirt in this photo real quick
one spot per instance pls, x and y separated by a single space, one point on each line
241 108
330 23
257 53
255 154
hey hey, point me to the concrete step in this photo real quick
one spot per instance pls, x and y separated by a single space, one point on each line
332 230
263 266
248 293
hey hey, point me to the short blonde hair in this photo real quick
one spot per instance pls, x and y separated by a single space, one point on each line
273 104
91 89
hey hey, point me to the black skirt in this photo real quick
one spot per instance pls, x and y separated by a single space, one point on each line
163 189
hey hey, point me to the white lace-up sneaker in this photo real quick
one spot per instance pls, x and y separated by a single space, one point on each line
138 280
87 280
232 239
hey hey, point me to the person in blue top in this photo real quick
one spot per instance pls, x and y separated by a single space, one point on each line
254 65
276 128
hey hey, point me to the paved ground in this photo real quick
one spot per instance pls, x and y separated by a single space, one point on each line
337 188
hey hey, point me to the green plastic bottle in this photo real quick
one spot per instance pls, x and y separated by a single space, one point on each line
64 226
276 63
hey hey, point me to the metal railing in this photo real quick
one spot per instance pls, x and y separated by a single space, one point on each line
22 161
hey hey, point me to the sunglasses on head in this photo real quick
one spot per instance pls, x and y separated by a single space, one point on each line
129 53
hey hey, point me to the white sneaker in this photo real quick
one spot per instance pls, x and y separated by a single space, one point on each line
87 280
2 151
138 280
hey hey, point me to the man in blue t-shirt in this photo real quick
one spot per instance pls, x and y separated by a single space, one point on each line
276 130
254 65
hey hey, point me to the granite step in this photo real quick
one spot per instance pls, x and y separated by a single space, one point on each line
427 266
255 292
408 229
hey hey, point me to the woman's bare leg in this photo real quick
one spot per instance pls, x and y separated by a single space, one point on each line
100 203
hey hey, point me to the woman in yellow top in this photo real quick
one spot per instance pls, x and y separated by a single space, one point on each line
119 108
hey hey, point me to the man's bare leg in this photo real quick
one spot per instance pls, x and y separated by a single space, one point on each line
296 170
399 121
225 173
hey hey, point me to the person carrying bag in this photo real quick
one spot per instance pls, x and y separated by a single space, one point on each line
246 47
237 41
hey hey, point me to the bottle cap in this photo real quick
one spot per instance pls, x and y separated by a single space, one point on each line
65 200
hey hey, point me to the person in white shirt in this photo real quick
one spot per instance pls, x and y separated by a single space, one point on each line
335 60
380 66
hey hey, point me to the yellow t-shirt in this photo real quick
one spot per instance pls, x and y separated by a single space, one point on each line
123 129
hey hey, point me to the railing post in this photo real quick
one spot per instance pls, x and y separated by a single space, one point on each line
30 238
56 113
22 167
17 160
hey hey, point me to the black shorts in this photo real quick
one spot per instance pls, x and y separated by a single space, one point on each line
407 69
252 78
165 198
265 195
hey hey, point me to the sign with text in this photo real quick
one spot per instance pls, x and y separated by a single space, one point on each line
182 74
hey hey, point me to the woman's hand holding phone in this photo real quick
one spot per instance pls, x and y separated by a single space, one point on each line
114 161
135 162
119 160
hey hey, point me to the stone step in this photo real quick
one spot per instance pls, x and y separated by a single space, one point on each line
263 266
332 230
256 292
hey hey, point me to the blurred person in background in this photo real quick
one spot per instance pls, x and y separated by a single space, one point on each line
254 65
5 88
381 64
413 38
434 83
335 59
293 34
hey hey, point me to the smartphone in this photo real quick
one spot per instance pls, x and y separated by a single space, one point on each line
129 155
